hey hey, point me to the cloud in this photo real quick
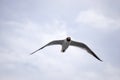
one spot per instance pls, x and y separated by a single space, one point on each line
25 28
111 72
97 20
21 38
25 36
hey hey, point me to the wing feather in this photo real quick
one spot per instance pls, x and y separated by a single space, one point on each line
84 46
55 42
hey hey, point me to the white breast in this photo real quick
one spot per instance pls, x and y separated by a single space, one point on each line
65 45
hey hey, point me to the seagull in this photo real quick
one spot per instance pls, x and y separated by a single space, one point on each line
68 42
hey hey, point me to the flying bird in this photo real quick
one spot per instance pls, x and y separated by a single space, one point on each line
68 42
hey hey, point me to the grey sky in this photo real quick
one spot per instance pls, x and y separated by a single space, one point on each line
26 25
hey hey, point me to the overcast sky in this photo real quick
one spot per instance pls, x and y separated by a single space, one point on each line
26 25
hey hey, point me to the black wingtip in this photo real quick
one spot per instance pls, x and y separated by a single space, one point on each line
35 51
32 53
100 60
95 55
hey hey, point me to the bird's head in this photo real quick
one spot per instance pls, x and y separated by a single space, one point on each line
68 39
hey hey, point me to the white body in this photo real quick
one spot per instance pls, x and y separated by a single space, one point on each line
65 45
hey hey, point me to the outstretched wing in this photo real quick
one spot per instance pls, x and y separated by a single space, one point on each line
84 46
56 42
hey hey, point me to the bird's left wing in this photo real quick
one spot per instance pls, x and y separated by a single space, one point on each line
55 42
84 46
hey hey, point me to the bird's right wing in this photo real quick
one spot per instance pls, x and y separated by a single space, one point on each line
56 42
84 46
